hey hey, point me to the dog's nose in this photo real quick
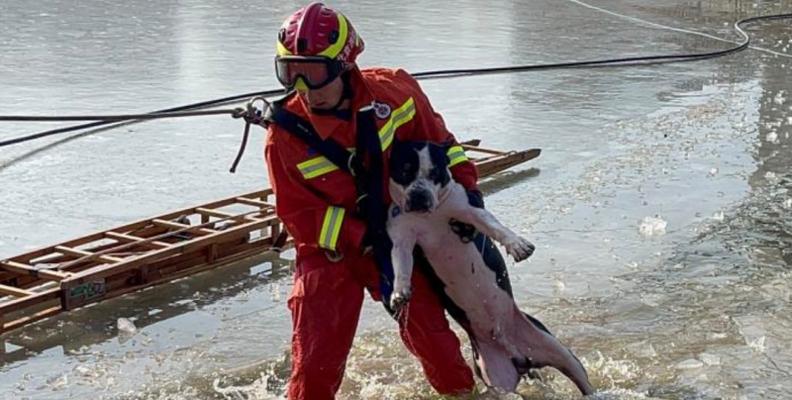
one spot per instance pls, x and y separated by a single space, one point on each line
419 201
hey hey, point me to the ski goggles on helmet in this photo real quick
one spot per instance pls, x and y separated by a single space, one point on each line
314 72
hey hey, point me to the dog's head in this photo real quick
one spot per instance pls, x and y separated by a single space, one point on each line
419 175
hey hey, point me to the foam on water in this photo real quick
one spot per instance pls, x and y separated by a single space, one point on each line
653 226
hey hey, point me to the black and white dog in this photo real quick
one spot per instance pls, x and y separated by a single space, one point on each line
507 343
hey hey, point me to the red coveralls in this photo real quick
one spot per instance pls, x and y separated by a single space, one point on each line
316 201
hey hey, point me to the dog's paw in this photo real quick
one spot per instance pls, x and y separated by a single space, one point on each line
519 248
399 299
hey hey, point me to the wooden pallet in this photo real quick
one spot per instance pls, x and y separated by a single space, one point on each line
58 278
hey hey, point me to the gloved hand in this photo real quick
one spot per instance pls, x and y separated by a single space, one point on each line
467 232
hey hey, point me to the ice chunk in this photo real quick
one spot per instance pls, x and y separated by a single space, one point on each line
690 364
757 344
126 326
651 226
779 98
58 382
710 359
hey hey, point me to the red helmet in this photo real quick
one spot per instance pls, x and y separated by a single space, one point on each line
317 30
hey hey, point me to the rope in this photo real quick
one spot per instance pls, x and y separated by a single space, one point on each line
200 105
436 74
236 113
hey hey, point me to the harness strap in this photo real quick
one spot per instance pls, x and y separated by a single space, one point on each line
371 198
298 126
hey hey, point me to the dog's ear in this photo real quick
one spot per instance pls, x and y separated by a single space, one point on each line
445 147
439 154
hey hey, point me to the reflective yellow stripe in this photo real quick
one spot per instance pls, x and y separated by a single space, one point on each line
318 166
315 167
331 227
282 50
456 155
399 117
332 51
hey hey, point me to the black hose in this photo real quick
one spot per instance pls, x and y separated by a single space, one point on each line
452 73
203 104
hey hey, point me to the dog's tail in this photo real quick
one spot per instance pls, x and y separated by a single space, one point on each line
539 348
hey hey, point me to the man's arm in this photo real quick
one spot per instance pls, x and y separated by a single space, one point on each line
311 220
429 126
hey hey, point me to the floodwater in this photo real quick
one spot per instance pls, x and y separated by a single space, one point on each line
661 205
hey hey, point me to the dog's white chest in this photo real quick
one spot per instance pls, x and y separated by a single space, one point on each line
459 265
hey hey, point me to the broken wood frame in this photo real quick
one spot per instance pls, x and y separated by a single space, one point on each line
110 263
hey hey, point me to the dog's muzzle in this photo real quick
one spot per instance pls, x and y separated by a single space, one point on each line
419 201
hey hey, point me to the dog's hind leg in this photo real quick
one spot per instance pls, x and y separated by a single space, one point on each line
542 349
495 367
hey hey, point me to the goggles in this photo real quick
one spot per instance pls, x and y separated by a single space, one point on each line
314 72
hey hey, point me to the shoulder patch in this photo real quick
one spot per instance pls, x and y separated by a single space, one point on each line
382 110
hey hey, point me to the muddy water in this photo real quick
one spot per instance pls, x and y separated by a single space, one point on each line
661 204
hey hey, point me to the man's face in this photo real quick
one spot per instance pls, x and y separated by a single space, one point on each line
324 98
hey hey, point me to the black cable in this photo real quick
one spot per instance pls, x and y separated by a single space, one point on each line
452 73
120 117
610 62
203 104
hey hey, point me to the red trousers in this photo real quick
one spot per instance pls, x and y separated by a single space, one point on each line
325 304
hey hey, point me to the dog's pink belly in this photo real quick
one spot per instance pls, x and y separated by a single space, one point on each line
470 283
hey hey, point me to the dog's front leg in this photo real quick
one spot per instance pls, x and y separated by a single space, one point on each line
402 260
485 222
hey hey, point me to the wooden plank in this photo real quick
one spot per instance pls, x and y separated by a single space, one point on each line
15 291
213 213
177 225
482 150
46 313
177 245
471 142
185 247
83 253
222 214
25 302
253 202
163 270
506 161
24 269
129 239
165 260
25 258
88 291
140 224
